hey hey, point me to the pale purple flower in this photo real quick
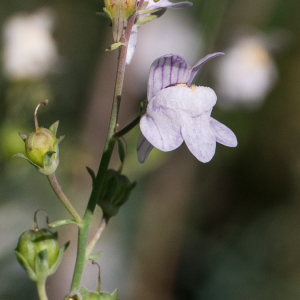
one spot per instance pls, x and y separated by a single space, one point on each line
163 5
178 111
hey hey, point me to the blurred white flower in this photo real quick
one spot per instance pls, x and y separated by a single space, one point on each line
246 74
30 51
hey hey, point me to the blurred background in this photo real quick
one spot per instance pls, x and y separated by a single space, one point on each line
228 229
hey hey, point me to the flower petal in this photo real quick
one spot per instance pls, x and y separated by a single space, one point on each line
195 69
143 148
161 127
223 134
165 71
132 44
199 137
166 3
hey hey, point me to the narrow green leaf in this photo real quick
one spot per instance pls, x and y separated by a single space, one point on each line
92 173
145 20
95 256
121 150
61 223
115 46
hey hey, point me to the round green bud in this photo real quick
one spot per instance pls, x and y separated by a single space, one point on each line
38 143
31 243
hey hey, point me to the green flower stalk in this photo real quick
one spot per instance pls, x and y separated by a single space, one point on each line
42 146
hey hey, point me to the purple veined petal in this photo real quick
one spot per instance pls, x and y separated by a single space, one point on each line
223 134
165 71
143 148
166 3
195 69
161 127
132 44
199 137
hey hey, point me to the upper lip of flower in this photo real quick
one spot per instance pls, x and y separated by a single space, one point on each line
185 75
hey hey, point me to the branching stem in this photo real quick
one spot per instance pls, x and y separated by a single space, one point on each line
126 129
106 156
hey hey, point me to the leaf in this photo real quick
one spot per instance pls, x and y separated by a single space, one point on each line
61 223
145 20
145 4
115 46
121 150
92 173
95 256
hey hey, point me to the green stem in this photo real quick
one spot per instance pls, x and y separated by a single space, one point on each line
41 288
63 198
90 247
106 156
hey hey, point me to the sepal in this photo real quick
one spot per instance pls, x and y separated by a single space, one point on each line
23 136
59 258
25 265
53 127
121 150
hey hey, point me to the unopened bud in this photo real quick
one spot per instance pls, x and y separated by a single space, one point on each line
38 253
119 11
42 146
114 192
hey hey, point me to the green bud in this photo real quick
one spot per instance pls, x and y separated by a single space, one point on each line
38 143
86 295
42 147
119 11
38 253
114 192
